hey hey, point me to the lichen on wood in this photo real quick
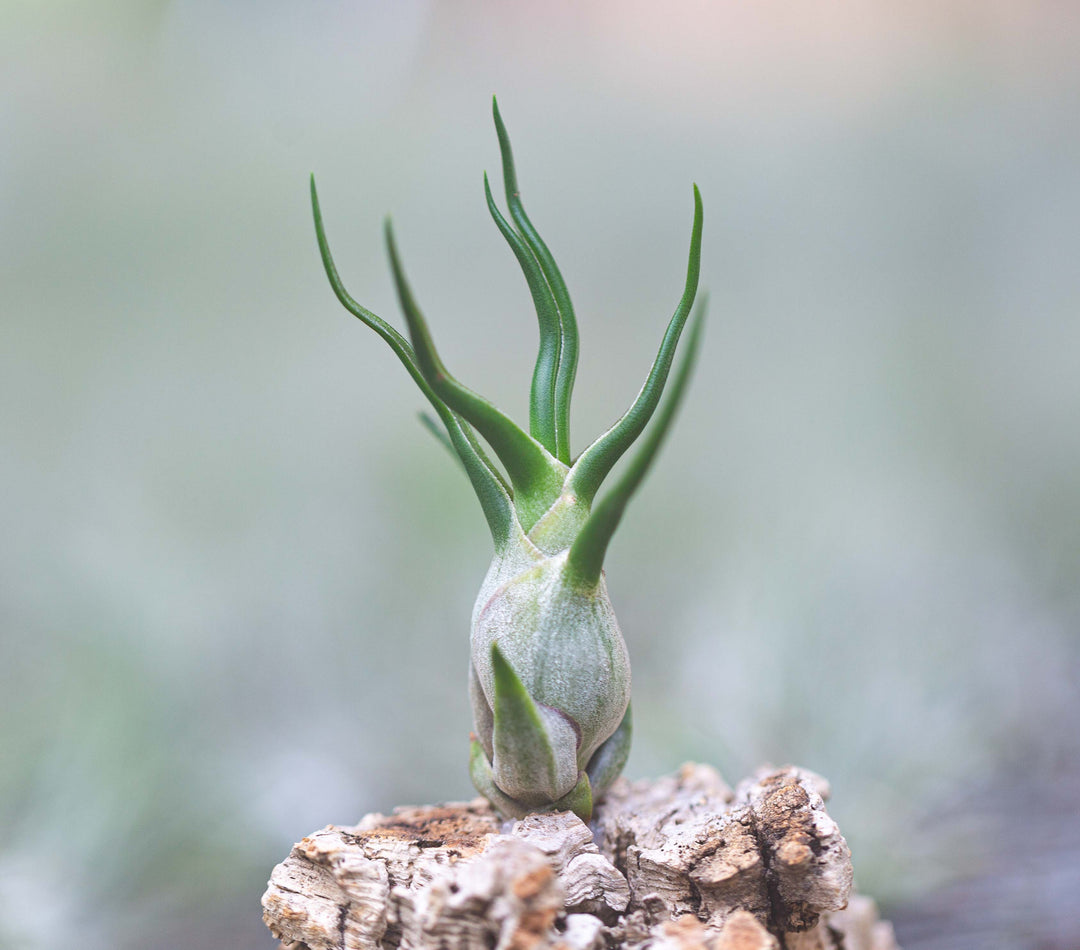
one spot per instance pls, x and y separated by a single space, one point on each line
681 863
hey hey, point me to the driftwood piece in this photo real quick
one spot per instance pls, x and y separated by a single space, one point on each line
681 863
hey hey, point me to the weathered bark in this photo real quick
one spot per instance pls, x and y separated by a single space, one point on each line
683 862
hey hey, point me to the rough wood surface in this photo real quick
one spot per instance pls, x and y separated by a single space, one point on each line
681 863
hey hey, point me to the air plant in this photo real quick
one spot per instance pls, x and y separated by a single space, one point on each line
549 677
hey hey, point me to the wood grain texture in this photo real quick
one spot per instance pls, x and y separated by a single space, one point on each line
680 863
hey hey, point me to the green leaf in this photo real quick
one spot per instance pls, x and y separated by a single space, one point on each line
579 800
542 393
568 348
534 746
483 780
397 342
536 476
586 557
492 492
597 460
608 761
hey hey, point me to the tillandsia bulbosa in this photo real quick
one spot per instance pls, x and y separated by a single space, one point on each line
549 677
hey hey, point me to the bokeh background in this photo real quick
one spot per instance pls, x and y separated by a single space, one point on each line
236 575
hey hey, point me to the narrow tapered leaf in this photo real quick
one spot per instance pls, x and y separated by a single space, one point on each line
586 557
597 460
495 496
535 475
444 438
458 431
542 393
568 350
486 480
534 746
397 342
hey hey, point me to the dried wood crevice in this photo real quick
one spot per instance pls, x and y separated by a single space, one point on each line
680 863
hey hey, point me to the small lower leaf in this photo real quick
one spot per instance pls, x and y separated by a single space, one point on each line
579 801
535 758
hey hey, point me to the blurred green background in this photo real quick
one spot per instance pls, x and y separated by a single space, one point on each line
236 574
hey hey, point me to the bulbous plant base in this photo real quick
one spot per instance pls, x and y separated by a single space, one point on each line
678 863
